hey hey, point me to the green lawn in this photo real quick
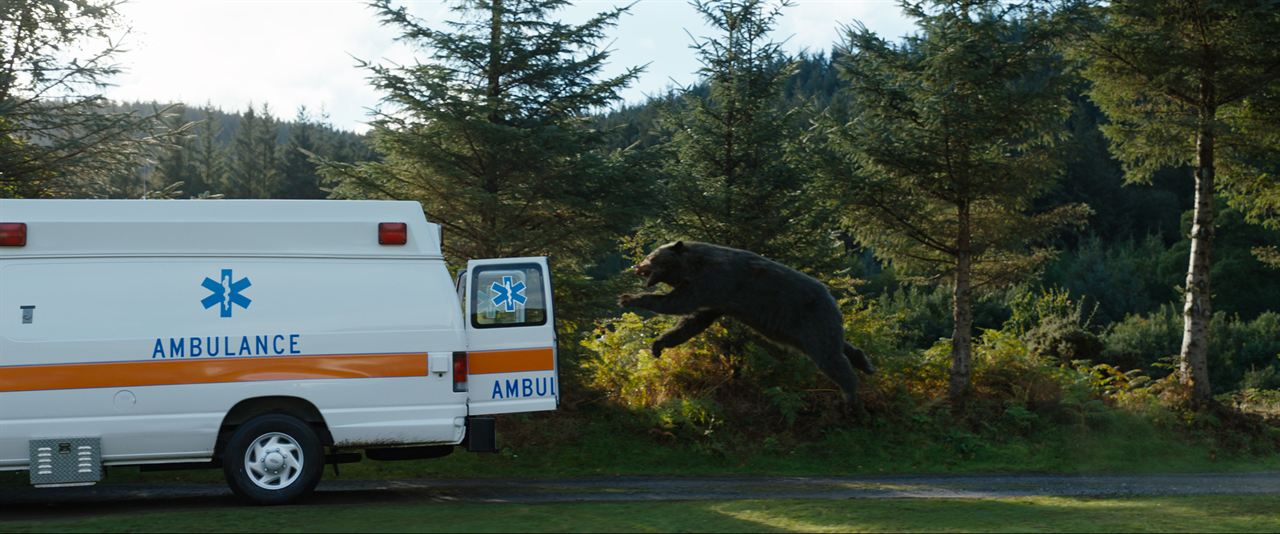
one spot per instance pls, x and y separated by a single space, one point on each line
557 445
1161 514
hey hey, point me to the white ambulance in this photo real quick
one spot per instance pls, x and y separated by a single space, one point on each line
265 337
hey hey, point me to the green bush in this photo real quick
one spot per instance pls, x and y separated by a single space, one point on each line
1142 340
1119 278
1235 346
1054 326
726 392
729 373
924 314
1006 373
1063 340
1261 379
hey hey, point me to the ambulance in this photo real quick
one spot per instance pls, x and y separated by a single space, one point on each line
268 338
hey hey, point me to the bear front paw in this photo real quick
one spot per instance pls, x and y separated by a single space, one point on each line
627 301
657 349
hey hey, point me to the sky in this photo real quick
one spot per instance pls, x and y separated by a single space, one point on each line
291 53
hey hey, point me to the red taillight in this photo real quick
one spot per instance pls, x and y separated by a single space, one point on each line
13 234
459 371
393 233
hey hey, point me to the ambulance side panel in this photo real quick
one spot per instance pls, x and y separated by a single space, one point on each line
150 354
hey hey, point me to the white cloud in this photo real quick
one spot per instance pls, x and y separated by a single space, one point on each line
289 53
232 53
814 24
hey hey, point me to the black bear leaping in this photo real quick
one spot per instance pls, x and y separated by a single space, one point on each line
785 305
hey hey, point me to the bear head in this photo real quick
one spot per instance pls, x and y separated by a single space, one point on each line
666 264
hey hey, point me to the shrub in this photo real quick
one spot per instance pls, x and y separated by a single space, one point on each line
1122 277
1235 346
1005 371
729 373
1260 379
620 364
924 314
1063 341
1142 340
1054 326
1029 309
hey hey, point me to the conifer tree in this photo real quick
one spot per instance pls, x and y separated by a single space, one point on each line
298 176
56 135
174 164
1253 164
254 168
1173 77
208 158
490 132
954 133
732 175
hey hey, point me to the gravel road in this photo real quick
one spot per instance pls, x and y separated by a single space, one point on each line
20 502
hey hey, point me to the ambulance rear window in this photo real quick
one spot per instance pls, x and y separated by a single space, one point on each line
508 296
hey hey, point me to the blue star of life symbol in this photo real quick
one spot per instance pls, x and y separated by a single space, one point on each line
224 292
508 293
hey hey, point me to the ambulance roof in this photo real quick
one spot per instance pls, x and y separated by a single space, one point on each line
316 228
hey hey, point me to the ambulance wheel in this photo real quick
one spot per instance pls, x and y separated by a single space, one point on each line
273 459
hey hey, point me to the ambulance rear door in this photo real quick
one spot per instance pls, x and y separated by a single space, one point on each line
511 337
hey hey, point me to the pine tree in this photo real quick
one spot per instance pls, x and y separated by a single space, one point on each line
1171 75
954 133
56 136
208 158
1253 164
491 133
254 168
732 175
298 176
174 166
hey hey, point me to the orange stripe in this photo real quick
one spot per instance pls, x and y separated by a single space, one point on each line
209 371
511 361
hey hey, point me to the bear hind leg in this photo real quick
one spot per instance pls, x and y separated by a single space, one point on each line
859 359
833 363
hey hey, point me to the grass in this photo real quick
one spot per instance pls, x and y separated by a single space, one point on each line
1039 514
605 443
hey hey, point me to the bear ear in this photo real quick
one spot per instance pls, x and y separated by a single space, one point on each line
678 246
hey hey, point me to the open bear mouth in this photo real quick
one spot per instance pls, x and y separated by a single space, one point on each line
646 272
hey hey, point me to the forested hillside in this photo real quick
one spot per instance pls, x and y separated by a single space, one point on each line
248 154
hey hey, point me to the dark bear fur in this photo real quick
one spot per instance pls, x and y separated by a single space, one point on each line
785 305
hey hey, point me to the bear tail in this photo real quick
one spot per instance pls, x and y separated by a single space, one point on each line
859 359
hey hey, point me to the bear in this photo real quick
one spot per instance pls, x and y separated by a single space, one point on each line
784 305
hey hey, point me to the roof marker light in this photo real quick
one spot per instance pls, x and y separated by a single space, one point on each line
13 234
390 233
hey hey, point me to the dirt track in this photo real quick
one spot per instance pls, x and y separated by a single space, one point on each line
20 502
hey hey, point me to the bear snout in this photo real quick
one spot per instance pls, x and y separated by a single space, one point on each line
648 272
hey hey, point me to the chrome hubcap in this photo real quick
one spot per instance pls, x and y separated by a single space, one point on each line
273 461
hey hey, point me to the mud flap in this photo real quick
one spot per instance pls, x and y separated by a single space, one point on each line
482 434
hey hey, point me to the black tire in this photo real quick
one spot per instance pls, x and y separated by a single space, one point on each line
309 453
